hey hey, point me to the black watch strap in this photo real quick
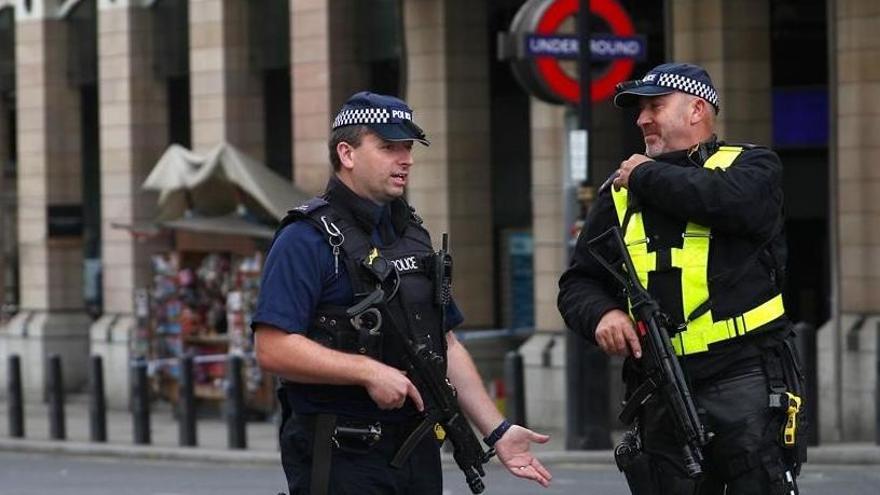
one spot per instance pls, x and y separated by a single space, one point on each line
497 433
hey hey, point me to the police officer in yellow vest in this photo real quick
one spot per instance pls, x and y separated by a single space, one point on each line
702 220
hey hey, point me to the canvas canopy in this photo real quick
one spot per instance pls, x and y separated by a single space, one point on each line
218 183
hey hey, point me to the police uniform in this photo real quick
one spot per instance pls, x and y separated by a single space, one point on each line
336 436
704 229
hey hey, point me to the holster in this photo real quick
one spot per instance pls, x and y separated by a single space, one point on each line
635 464
786 380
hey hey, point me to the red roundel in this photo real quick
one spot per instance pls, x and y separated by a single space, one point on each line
550 70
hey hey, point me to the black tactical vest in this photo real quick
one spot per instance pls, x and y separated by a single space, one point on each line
410 288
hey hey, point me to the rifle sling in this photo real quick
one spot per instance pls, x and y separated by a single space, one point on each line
638 398
412 441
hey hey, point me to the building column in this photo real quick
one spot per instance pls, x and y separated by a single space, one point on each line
51 318
550 234
7 201
731 40
310 80
133 135
226 95
448 89
847 353
324 72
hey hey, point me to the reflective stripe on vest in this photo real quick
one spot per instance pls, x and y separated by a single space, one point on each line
692 258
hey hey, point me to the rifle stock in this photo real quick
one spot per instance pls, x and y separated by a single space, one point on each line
659 360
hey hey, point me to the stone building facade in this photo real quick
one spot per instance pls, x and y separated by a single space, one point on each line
102 87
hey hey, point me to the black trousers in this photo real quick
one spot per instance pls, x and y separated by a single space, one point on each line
361 473
744 457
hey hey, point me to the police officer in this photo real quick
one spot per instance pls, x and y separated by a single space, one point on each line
347 405
702 221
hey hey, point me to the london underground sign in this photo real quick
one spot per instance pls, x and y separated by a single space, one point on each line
536 49
602 47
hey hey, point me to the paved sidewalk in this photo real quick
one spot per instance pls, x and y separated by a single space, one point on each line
212 438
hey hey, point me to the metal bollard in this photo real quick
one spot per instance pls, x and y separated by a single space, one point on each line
186 404
140 402
514 381
805 335
16 398
588 421
235 420
55 389
547 353
97 401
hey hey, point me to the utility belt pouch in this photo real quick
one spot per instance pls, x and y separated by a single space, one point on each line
360 334
356 438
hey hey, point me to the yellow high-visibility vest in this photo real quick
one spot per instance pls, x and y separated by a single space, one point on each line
692 258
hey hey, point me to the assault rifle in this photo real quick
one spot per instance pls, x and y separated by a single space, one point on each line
663 371
427 369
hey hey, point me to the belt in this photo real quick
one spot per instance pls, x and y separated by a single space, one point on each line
702 331
359 434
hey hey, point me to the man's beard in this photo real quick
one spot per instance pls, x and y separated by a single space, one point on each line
652 154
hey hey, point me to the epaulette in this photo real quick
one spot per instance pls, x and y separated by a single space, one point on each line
308 207
301 212
745 146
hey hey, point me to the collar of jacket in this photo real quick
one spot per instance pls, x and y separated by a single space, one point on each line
365 213
696 155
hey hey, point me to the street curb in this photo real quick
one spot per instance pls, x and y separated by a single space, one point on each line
844 454
201 454
146 452
835 454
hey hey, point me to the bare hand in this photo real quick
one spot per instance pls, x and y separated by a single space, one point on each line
513 452
616 334
389 388
626 168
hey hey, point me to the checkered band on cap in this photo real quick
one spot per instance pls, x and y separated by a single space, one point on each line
688 85
356 116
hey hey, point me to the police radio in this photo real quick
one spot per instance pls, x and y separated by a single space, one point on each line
443 274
